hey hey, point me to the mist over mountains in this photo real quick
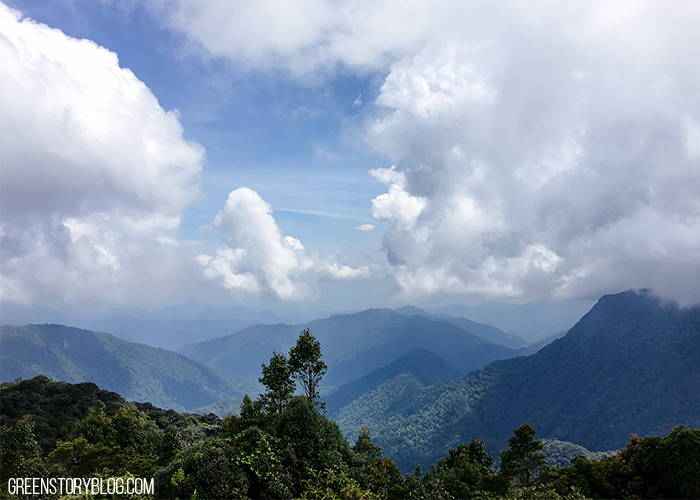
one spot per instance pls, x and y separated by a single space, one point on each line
532 321
173 327
169 327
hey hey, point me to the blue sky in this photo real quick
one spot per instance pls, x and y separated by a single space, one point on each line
299 145
500 152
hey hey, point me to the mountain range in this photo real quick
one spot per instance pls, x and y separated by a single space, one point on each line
628 366
170 327
422 382
356 344
136 371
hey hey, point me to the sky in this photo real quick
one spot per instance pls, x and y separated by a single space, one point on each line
347 154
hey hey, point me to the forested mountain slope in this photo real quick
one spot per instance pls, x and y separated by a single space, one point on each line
628 366
427 367
136 371
354 344
53 430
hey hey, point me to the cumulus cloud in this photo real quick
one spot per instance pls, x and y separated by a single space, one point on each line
365 227
304 36
540 148
95 174
257 259
546 158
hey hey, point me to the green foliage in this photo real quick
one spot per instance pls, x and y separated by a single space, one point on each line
255 452
20 455
277 378
208 468
305 361
467 472
177 477
100 444
375 472
328 484
309 440
542 492
656 467
365 447
55 406
169 445
523 460
252 414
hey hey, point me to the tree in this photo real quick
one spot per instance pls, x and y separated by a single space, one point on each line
309 440
20 454
467 472
277 377
523 460
474 451
305 361
102 444
206 469
377 473
365 447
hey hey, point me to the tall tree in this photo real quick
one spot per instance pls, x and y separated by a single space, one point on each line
523 461
305 360
20 454
277 377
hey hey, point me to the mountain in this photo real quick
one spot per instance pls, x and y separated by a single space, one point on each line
486 332
427 367
172 334
532 321
353 345
170 327
136 371
628 366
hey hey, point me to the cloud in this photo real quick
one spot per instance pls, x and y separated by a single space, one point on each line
95 174
302 37
540 148
547 156
365 227
257 259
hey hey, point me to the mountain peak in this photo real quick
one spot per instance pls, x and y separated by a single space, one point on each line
412 311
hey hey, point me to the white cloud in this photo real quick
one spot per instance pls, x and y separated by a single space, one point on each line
95 174
541 148
397 205
301 37
546 158
365 227
447 78
527 134
259 260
